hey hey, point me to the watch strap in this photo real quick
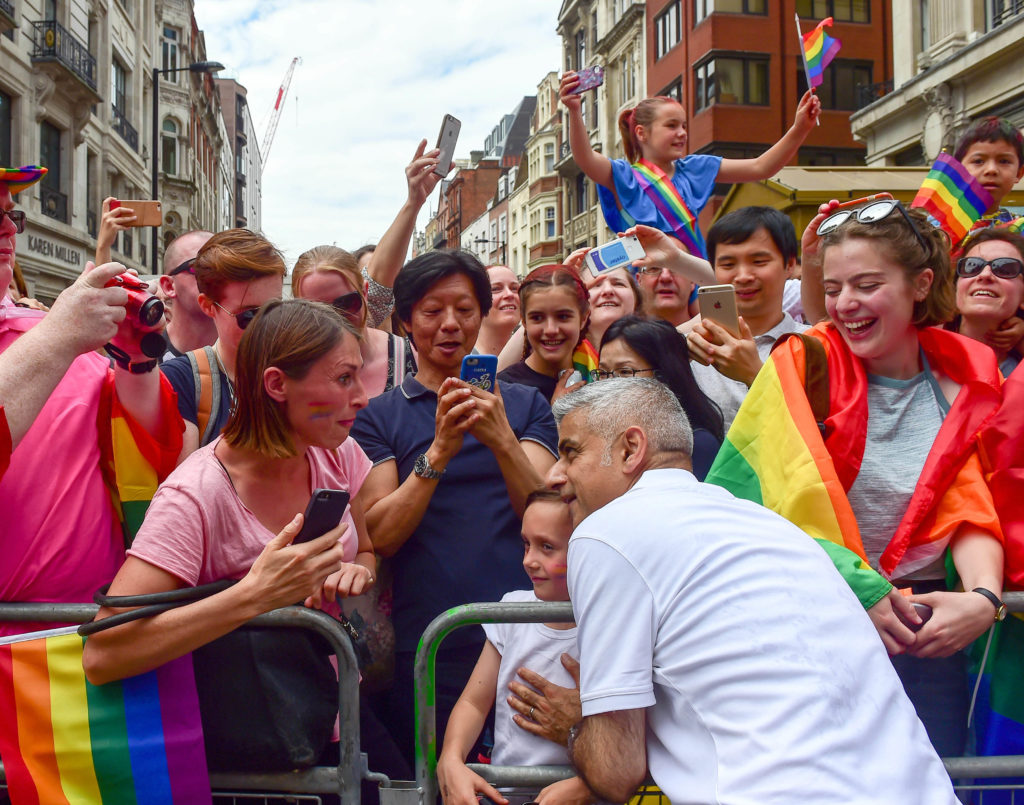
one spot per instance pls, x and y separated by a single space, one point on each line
994 599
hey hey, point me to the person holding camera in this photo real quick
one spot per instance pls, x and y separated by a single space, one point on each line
62 536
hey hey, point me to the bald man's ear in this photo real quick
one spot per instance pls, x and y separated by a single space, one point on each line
166 284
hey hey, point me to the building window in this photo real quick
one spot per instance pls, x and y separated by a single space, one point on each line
50 10
674 91
667 31
840 10
703 8
581 49
549 158
5 129
54 202
240 156
581 194
170 54
169 148
839 89
739 80
1000 11
549 222
118 85
627 79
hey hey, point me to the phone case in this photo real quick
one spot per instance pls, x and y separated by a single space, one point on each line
718 303
480 370
590 78
616 254
324 511
446 140
148 213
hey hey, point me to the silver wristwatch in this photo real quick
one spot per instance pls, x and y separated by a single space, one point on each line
423 469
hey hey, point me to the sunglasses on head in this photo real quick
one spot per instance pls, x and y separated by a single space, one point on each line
189 266
17 218
1003 267
871 214
349 305
243 318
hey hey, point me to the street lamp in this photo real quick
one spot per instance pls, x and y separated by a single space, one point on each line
496 243
196 67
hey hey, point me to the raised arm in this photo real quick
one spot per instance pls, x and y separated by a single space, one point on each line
597 166
620 734
779 155
812 280
111 222
667 252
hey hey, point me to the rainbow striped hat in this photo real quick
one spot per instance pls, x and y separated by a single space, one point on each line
18 179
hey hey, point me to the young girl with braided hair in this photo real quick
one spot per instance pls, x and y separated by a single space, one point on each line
657 184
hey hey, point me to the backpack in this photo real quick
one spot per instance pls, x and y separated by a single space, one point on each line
209 386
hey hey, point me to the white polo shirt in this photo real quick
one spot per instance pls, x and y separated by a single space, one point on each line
762 677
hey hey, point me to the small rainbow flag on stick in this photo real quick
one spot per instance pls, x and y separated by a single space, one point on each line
818 49
953 197
64 740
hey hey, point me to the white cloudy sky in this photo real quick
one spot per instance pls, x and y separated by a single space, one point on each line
376 77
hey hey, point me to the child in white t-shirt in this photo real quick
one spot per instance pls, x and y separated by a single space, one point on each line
547 527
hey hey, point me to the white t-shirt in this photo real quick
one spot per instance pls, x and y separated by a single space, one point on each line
762 677
539 648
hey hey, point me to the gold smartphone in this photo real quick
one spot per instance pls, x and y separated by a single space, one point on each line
147 213
718 303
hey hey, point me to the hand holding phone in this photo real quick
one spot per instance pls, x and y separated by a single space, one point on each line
590 78
446 140
324 511
147 213
718 303
480 371
619 253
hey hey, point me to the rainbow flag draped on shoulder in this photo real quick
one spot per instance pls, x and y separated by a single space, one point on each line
670 204
798 440
64 740
818 49
952 197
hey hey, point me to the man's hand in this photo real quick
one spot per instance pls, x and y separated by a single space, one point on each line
491 426
456 414
87 315
736 358
544 708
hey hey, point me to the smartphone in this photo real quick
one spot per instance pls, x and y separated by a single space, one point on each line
856 202
147 213
480 371
619 253
450 128
924 611
590 78
718 303
324 511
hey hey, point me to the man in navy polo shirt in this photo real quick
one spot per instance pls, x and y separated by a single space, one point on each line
453 465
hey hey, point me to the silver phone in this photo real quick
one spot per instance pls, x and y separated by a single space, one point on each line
450 128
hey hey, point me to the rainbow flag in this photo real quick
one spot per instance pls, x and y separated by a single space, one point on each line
584 360
133 461
670 205
952 197
818 49
64 740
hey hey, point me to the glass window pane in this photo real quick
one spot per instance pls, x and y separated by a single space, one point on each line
758 86
861 11
804 8
756 7
710 91
729 80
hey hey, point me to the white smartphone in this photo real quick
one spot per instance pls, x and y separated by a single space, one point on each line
450 128
620 253
718 303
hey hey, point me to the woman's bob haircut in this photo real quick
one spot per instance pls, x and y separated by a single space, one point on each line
291 334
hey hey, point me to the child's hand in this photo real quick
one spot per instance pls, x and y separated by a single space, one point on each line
807 112
1007 337
566 86
459 785
566 792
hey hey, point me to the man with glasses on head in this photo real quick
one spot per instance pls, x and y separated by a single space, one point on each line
188 327
235 271
61 534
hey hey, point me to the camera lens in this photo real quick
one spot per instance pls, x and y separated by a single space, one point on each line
151 311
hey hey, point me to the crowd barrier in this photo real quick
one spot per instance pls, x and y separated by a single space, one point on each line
303 786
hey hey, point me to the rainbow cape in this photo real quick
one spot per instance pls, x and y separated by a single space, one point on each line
584 360
65 741
798 439
1000 218
952 197
670 204
818 50
134 462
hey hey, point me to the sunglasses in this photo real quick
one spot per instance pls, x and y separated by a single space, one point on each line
349 305
1003 267
17 218
189 266
243 318
871 214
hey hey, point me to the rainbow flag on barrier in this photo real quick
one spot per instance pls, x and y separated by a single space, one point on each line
952 197
818 50
64 740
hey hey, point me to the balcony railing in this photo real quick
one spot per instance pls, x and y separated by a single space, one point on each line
1004 10
52 42
869 93
120 124
54 203
7 7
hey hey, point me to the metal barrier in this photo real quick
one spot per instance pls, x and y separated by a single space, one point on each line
342 780
959 769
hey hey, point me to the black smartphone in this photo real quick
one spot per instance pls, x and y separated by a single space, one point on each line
924 612
324 511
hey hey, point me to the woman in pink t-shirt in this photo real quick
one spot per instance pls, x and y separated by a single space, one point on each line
232 509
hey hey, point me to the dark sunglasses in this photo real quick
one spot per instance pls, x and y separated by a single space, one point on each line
349 305
189 266
244 318
1003 267
17 218
871 214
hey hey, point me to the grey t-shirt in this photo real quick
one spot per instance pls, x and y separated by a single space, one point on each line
904 417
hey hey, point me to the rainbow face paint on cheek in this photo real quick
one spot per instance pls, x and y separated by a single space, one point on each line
560 571
319 410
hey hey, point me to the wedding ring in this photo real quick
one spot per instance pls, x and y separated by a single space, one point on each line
531 712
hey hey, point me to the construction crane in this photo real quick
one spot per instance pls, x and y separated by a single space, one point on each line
275 112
